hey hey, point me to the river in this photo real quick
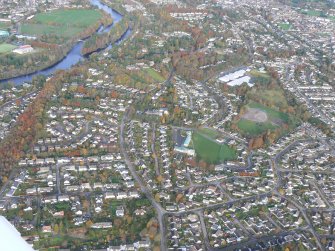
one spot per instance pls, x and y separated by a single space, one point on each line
74 56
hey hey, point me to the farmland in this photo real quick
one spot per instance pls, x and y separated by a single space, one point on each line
74 17
61 23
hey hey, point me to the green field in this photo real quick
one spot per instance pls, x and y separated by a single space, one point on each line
74 17
62 23
252 128
258 77
275 118
317 13
274 97
209 132
4 25
47 30
272 114
313 13
210 151
256 73
285 26
4 48
154 74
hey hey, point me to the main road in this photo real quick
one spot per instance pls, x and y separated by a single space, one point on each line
160 211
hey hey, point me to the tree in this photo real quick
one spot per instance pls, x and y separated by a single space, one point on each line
89 223
179 197
56 228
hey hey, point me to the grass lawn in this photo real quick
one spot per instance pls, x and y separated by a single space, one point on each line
252 128
255 73
317 13
74 17
42 29
275 118
4 48
272 114
313 13
113 205
154 74
211 151
285 26
209 132
62 23
4 25
275 97
258 77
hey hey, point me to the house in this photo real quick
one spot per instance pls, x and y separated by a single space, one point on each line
63 198
109 195
50 199
121 195
142 244
24 49
59 214
100 225
120 211
140 212
46 229
22 163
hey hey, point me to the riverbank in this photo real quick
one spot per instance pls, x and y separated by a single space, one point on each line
74 54
101 42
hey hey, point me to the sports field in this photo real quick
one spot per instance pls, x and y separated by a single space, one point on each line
258 119
211 151
271 113
4 48
64 23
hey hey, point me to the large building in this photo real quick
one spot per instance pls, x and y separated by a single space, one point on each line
24 49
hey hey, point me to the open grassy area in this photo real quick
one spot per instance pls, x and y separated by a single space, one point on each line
271 97
4 25
313 13
255 73
61 23
154 74
72 17
317 13
259 77
4 48
272 114
210 151
42 29
275 119
285 26
209 132
252 128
